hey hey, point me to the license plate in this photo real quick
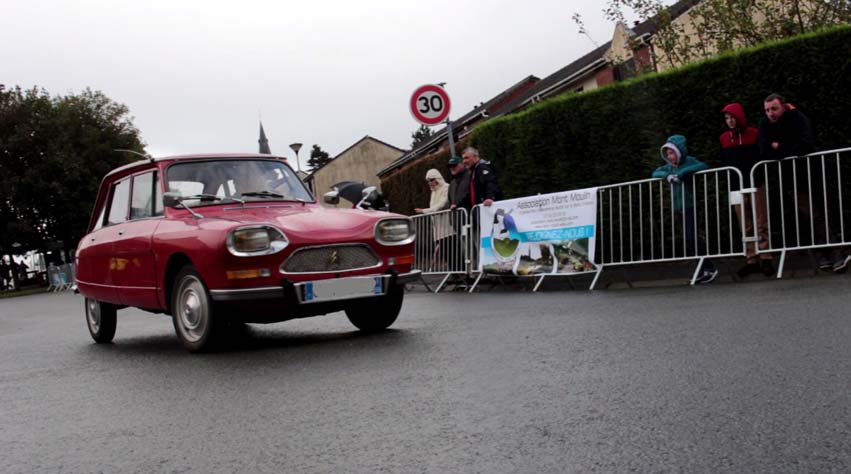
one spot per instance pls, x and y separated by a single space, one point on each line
342 288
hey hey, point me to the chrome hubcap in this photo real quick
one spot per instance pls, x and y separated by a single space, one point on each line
93 313
192 311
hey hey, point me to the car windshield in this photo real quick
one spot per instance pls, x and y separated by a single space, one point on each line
201 182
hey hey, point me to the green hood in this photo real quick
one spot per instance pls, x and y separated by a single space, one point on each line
676 143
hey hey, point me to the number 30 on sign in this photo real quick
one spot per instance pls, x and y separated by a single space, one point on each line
430 104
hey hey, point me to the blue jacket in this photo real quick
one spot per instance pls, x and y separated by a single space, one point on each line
687 165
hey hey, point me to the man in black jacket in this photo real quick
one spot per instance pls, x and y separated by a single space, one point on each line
484 188
785 132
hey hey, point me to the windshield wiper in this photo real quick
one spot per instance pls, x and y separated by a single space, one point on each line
211 197
263 194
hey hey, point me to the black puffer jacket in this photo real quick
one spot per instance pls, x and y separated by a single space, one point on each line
485 183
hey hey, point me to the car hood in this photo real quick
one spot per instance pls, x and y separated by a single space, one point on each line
309 223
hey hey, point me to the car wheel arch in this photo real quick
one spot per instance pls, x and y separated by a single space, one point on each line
175 262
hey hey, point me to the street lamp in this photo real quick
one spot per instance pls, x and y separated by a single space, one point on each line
296 147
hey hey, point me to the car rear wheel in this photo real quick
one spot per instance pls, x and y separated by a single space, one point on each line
101 320
195 322
376 314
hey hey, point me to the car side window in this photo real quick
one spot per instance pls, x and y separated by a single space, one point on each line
120 200
101 215
143 192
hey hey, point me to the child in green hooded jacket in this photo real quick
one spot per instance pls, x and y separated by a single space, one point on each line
677 171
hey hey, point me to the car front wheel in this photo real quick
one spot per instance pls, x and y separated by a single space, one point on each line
101 320
194 318
376 314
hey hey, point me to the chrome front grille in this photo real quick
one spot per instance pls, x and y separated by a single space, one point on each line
330 258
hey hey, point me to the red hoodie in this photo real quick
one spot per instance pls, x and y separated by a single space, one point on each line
742 134
739 146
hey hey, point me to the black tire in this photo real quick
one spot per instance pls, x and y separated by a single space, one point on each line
101 320
376 314
195 321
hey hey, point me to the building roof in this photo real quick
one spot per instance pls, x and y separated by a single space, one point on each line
555 83
366 137
552 84
649 26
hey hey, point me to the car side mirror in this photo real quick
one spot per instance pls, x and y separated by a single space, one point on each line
332 197
171 200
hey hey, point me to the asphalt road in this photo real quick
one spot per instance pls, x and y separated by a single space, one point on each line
724 378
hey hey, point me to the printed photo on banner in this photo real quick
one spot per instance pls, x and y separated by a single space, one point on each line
536 235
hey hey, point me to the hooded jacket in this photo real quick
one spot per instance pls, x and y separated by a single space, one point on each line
739 146
683 169
439 201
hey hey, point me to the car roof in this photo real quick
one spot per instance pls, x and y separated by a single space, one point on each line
190 157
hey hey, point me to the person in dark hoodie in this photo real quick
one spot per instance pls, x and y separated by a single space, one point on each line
740 149
677 170
459 186
786 132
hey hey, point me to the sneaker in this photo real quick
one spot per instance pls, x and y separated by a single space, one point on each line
708 276
747 269
825 263
841 264
766 267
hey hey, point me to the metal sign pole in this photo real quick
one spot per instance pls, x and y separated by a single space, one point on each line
451 138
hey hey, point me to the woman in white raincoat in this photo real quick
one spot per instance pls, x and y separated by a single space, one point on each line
439 201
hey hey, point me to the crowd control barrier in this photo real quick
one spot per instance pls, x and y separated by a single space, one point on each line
807 204
653 220
799 203
61 278
441 247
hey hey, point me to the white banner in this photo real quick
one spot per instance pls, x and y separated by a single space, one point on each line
535 235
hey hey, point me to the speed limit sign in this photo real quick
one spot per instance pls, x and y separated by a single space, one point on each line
430 104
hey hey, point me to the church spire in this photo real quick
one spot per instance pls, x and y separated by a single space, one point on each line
264 143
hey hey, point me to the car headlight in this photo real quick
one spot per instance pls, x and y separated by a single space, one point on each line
395 231
256 240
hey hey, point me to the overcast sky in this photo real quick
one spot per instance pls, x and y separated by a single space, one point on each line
197 75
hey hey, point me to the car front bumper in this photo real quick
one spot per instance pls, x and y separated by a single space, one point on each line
290 290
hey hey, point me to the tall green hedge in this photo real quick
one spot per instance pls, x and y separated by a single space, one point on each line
613 134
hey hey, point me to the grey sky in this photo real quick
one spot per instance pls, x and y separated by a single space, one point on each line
196 74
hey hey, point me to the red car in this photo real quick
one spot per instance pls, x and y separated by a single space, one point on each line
219 240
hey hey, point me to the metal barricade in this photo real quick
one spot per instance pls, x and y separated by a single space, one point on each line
805 204
793 204
474 244
652 220
441 245
61 278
